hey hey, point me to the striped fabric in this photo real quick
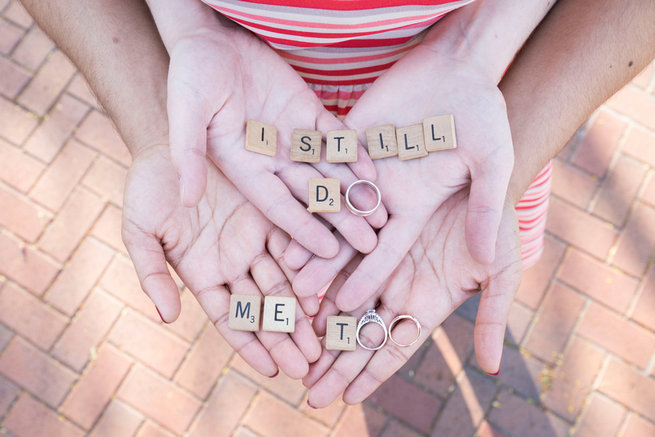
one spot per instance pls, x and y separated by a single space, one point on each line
340 47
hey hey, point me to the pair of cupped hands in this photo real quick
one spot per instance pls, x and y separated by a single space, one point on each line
230 221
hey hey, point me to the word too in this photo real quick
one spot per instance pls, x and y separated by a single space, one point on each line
409 142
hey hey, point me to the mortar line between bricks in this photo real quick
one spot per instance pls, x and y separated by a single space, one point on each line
20 393
27 199
610 166
100 343
21 67
104 411
38 67
61 91
77 184
81 100
628 118
67 138
615 245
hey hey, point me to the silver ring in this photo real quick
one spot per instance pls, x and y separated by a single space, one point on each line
371 317
360 212
398 319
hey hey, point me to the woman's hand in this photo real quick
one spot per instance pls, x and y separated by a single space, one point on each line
220 77
433 279
421 85
218 248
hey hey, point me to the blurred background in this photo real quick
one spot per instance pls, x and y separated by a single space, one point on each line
82 350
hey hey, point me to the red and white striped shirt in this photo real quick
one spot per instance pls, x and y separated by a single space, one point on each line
340 47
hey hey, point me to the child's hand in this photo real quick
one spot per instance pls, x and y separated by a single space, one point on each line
433 279
418 86
218 80
220 247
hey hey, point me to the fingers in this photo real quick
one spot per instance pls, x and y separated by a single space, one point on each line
270 194
353 228
188 136
318 272
490 323
151 268
347 366
272 282
489 182
394 242
363 168
279 345
215 300
296 256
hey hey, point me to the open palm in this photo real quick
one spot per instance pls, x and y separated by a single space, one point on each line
433 279
218 247
418 86
218 80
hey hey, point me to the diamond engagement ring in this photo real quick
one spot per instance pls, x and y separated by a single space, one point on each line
371 317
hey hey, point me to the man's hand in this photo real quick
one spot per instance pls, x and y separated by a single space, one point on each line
220 77
433 279
218 248
418 86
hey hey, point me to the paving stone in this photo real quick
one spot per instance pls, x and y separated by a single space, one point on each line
107 179
619 336
225 408
30 317
554 323
287 389
10 35
27 220
535 280
158 398
639 144
149 429
645 307
16 123
13 80
601 418
98 132
600 142
518 417
204 363
33 48
36 372
636 426
17 13
8 393
47 84
598 280
466 406
118 419
627 386
572 381
636 244
636 104
361 419
31 418
108 229
17 168
272 417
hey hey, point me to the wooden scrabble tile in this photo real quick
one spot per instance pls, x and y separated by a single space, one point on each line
306 145
439 132
279 314
381 141
410 142
340 333
341 146
261 138
324 195
244 312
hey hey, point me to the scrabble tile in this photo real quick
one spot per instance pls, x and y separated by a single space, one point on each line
279 314
306 145
261 138
244 312
324 195
341 146
410 142
340 333
439 133
381 141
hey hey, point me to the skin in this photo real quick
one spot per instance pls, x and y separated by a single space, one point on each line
220 77
436 276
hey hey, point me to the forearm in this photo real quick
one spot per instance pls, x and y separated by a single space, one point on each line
583 52
178 19
116 47
487 34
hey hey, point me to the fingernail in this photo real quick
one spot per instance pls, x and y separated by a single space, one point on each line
311 406
275 374
162 319
494 374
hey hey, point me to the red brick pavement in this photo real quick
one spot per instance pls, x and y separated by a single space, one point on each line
82 351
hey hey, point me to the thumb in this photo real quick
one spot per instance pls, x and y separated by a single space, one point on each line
151 268
188 134
491 321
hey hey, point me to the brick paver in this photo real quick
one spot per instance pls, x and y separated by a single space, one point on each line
83 351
